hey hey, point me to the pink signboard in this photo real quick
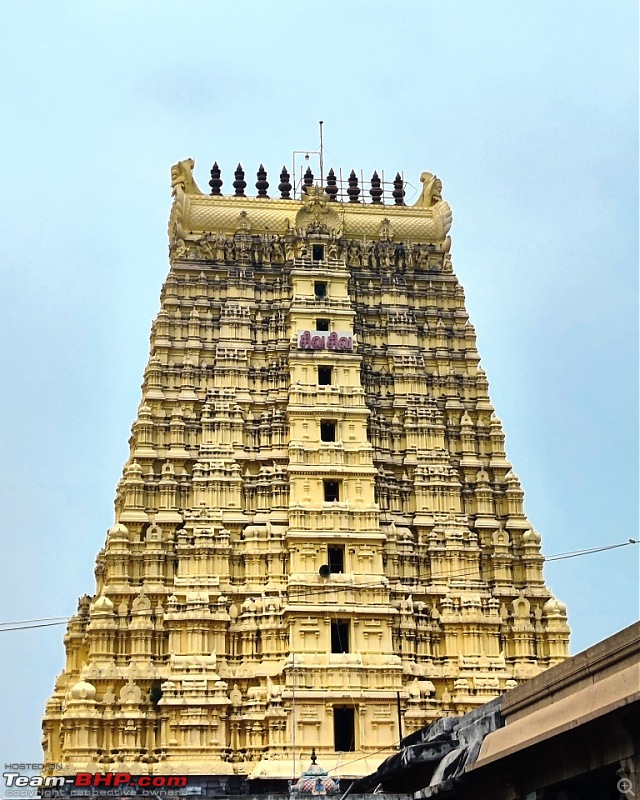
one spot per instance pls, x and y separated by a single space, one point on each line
318 340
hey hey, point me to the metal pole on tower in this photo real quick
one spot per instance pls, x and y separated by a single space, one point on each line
293 712
321 157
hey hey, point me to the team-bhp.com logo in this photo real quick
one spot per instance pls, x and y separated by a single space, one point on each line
112 784
115 779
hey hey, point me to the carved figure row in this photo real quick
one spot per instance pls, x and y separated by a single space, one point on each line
275 249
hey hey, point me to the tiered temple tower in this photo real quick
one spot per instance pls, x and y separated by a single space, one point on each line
317 533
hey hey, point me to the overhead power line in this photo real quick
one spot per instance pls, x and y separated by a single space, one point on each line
575 553
39 619
45 622
29 627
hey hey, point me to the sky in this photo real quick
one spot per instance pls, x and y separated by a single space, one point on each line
526 109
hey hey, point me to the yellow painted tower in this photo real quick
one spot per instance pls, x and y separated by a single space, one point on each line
319 541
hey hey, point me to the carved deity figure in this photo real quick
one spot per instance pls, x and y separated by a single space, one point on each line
385 229
355 253
219 248
243 222
205 246
243 248
386 251
179 249
422 259
371 254
277 253
408 255
256 251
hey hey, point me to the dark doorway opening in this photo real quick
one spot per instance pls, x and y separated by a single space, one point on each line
335 557
324 376
331 491
340 636
344 734
327 430
317 252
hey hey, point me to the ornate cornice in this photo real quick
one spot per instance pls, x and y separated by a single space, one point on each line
195 213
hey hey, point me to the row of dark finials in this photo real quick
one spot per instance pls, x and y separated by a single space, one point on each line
331 188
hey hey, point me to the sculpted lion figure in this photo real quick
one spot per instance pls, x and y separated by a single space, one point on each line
431 190
431 201
182 183
182 178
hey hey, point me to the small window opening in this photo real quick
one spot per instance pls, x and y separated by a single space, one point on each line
320 289
344 734
327 430
340 636
155 693
331 491
335 557
322 324
317 252
324 376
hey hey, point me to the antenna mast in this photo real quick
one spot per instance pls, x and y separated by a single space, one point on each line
306 154
293 711
321 157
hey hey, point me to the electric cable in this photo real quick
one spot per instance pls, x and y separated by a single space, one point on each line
294 595
38 619
576 553
311 591
368 755
30 627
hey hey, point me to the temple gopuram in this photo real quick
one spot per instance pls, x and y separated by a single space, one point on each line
319 544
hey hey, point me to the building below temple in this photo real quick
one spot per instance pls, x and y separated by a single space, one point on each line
570 734
318 540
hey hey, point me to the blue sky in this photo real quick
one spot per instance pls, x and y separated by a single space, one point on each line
526 109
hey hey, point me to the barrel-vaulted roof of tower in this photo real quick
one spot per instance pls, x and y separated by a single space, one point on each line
194 213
